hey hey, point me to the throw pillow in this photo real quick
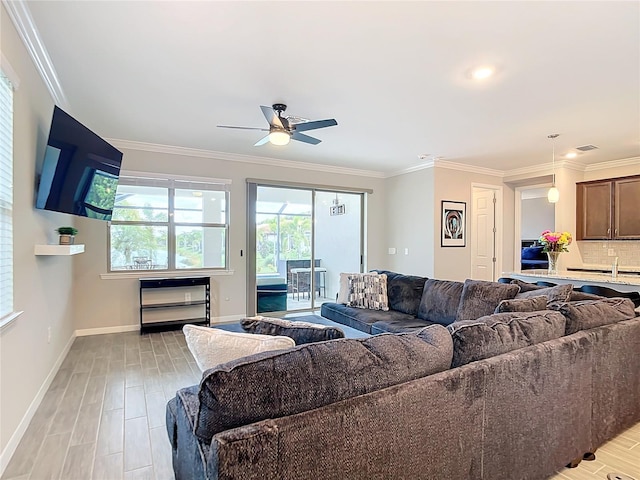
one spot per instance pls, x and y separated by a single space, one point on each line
595 313
277 384
577 296
343 292
300 332
533 304
440 300
555 295
368 291
212 346
480 298
502 332
526 286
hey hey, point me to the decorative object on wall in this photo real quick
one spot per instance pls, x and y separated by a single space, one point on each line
453 231
337 208
553 195
554 244
67 235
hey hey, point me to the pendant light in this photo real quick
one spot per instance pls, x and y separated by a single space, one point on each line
553 195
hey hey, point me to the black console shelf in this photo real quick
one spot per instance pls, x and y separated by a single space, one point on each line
204 305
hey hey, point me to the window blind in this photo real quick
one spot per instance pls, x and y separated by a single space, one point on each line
6 196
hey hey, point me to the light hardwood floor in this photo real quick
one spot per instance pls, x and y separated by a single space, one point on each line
103 417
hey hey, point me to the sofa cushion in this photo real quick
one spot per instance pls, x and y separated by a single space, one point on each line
532 253
368 291
212 346
359 318
404 291
526 286
480 298
577 296
532 304
300 332
399 326
587 314
557 294
277 384
440 300
502 332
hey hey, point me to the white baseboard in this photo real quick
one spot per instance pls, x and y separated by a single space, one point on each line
103 330
13 442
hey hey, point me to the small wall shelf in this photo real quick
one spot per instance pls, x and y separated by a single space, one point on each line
58 249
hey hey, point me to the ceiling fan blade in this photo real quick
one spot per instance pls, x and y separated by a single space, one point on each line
271 116
243 128
262 141
301 127
301 137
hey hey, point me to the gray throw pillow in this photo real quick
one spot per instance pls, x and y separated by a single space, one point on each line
555 295
502 332
301 332
533 304
595 313
440 300
274 385
480 298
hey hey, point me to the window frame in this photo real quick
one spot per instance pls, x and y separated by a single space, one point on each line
172 183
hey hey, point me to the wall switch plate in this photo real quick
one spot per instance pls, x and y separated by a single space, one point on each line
611 252
392 251
406 251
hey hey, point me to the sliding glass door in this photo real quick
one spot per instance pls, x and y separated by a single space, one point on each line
300 240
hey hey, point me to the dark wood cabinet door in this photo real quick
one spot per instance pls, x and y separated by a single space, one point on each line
626 201
593 214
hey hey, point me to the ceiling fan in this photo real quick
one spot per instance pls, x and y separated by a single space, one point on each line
283 129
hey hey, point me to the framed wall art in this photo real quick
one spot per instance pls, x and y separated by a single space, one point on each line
453 229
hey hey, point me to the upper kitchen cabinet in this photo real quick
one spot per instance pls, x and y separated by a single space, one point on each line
608 209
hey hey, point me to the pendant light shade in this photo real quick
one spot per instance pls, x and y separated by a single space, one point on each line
553 195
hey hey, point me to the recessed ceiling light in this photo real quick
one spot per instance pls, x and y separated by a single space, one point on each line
571 155
481 73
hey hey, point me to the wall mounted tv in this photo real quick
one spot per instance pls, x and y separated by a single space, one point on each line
80 170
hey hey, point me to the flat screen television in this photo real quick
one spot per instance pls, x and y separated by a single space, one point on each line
79 172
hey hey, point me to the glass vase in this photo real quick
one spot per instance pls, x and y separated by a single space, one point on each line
553 262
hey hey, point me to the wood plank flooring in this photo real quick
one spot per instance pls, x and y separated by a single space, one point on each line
103 418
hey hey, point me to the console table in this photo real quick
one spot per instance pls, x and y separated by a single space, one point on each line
169 303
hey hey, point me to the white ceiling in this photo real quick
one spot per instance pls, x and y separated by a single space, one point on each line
395 75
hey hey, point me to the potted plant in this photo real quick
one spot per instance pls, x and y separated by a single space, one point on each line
67 235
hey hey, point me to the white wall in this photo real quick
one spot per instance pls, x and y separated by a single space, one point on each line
104 303
454 263
410 224
537 215
42 285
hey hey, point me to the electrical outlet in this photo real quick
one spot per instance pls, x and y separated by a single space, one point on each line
611 252
49 335
187 297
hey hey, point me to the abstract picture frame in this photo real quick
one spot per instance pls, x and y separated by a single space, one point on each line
453 229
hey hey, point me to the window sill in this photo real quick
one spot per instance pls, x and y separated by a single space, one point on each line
9 319
164 274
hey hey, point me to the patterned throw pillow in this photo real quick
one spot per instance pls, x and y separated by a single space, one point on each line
368 291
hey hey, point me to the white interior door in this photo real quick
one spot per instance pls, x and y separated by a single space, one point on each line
483 234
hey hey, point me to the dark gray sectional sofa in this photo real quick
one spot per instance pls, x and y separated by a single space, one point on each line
508 396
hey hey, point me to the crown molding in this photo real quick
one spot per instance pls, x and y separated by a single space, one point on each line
236 157
624 162
26 27
468 168
415 168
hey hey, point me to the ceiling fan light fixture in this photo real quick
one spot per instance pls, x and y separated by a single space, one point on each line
279 137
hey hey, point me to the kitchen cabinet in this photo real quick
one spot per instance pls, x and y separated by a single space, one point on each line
608 209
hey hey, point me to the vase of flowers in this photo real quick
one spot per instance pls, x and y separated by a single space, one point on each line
554 244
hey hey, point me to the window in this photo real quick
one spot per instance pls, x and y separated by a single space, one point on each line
6 196
169 224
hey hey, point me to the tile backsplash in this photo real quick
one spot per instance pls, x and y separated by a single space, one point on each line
597 253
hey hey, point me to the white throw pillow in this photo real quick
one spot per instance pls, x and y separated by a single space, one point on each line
343 293
211 346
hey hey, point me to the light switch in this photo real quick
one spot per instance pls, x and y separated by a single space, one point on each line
406 251
392 251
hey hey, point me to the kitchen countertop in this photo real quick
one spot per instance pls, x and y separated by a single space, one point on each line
605 269
582 277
